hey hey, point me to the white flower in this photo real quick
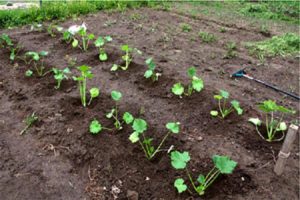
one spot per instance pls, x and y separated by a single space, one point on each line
76 28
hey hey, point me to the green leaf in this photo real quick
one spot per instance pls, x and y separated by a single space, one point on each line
134 137
148 73
91 36
103 56
108 38
224 94
180 185
214 113
116 95
43 53
28 73
285 110
125 47
236 106
178 89
95 127
110 114
83 68
128 118
191 72
218 97
34 55
255 121
201 179
224 164
94 92
139 125
268 106
114 67
75 43
180 160
99 42
197 84
173 127
282 127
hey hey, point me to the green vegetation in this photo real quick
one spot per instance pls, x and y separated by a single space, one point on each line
60 75
224 110
196 84
207 37
231 50
185 27
150 73
96 127
6 42
283 45
222 165
38 60
273 125
29 120
116 96
99 43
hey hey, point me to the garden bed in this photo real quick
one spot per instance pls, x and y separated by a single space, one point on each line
59 159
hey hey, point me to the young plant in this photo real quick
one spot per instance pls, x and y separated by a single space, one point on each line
76 33
60 75
94 92
82 81
222 165
116 96
127 58
28 122
273 125
96 127
224 110
207 37
28 73
186 27
6 42
52 28
150 73
99 43
140 126
38 60
196 84
231 50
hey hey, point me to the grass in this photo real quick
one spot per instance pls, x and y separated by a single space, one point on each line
63 10
283 45
207 37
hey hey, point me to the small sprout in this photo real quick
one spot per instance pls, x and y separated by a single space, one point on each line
128 118
207 37
150 73
60 75
28 122
272 124
99 43
223 30
94 92
186 27
95 127
231 50
196 84
28 73
222 98
222 165
116 96
127 58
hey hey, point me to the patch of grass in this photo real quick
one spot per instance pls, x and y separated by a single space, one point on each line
207 37
185 27
231 50
61 11
283 45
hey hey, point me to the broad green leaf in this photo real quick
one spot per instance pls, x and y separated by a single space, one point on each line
34 55
114 67
116 95
134 137
180 185
108 38
177 89
28 73
173 127
139 125
285 110
43 53
91 36
103 56
179 160
268 106
150 64
201 179
191 72
255 121
224 164
197 84
125 47
75 43
214 113
128 118
148 73
282 127
94 92
84 68
224 94
236 106
99 42
218 97
95 127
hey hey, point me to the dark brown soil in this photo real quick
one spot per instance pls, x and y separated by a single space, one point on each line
59 159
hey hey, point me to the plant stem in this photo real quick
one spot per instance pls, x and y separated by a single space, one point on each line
212 179
159 146
143 149
25 129
191 179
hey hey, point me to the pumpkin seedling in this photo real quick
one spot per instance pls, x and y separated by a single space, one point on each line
99 43
127 58
60 75
6 42
150 73
76 33
116 96
82 81
222 165
224 110
140 126
196 84
273 125
29 120
96 127
94 92
38 60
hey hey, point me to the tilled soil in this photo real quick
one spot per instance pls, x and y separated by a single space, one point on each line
58 158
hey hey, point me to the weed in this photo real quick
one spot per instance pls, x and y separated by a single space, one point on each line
222 98
99 43
207 37
231 50
223 30
273 125
222 165
185 27
29 120
196 84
